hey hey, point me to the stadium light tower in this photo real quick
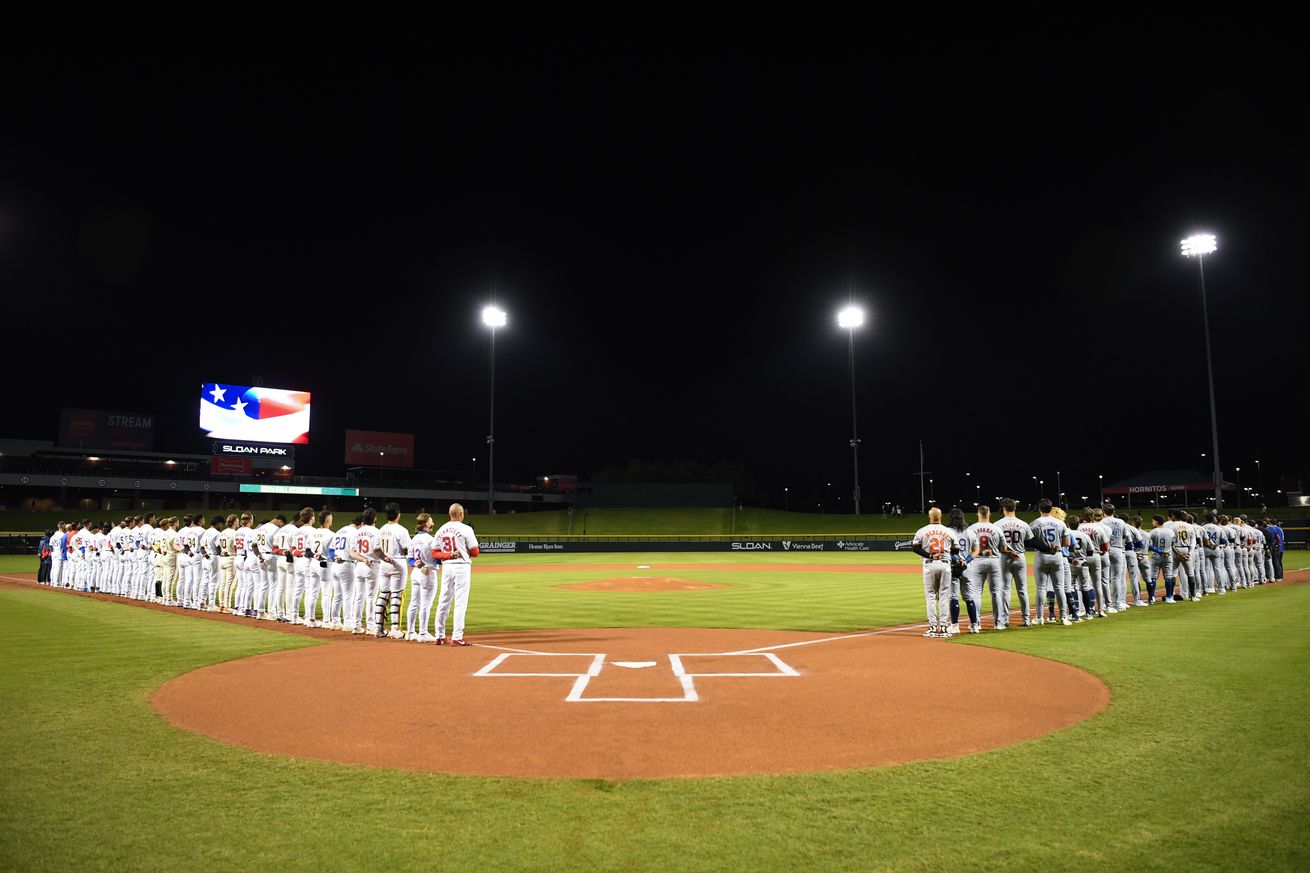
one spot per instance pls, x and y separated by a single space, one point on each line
493 317
850 318
1198 246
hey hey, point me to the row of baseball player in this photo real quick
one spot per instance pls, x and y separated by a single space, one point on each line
303 571
1086 568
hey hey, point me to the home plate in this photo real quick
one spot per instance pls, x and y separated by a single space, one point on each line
633 665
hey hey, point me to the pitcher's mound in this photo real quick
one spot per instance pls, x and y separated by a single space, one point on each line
640 583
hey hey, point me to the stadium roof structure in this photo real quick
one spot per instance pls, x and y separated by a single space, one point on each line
1165 480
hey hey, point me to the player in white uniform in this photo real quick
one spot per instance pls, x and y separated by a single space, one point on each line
184 547
423 580
456 548
266 592
1050 536
298 539
227 567
934 542
209 564
143 542
392 552
95 544
245 562
341 563
317 584
366 568
1161 543
285 569
58 555
111 557
986 546
77 556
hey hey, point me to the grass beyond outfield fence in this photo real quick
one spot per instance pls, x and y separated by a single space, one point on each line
1199 762
605 522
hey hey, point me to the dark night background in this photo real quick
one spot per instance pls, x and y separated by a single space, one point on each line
672 232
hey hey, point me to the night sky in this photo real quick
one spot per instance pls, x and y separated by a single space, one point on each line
671 233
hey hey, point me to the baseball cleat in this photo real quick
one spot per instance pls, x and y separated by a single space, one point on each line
1065 621
441 641
460 643
974 629
411 636
396 634
953 628
931 631
425 638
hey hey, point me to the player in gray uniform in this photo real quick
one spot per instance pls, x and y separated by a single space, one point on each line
1232 559
1161 540
986 545
1014 563
1082 551
1182 560
960 573
1198 557
1098 563
1050 536
1141 551
1076 610
1116 559
1213 538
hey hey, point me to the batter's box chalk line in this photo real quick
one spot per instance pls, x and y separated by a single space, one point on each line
685 678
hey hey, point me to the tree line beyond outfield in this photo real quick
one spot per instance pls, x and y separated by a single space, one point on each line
617 522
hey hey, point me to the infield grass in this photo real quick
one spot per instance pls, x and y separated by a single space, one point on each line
1199 763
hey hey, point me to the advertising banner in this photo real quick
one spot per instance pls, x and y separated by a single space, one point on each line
101 429
374 448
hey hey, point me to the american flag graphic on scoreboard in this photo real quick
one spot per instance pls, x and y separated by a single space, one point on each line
260 415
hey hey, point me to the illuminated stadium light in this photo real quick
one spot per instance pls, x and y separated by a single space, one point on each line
1199 244
850 317
494 316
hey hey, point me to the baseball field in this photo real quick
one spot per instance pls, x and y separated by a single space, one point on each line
1168 738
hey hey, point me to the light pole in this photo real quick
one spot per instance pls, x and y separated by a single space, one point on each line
1259 477
1059 489
1239 487
493 317
382 456
1198 246
850 318
474 474
786 499
1101 479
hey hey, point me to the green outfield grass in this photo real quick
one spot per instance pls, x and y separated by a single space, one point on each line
1199 762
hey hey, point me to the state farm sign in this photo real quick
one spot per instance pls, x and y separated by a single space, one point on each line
371 447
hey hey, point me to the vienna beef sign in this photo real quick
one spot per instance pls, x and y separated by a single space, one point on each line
371 447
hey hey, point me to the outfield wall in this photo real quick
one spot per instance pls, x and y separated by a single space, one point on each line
536 546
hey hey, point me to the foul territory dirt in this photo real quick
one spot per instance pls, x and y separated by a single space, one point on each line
645 703
640 583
